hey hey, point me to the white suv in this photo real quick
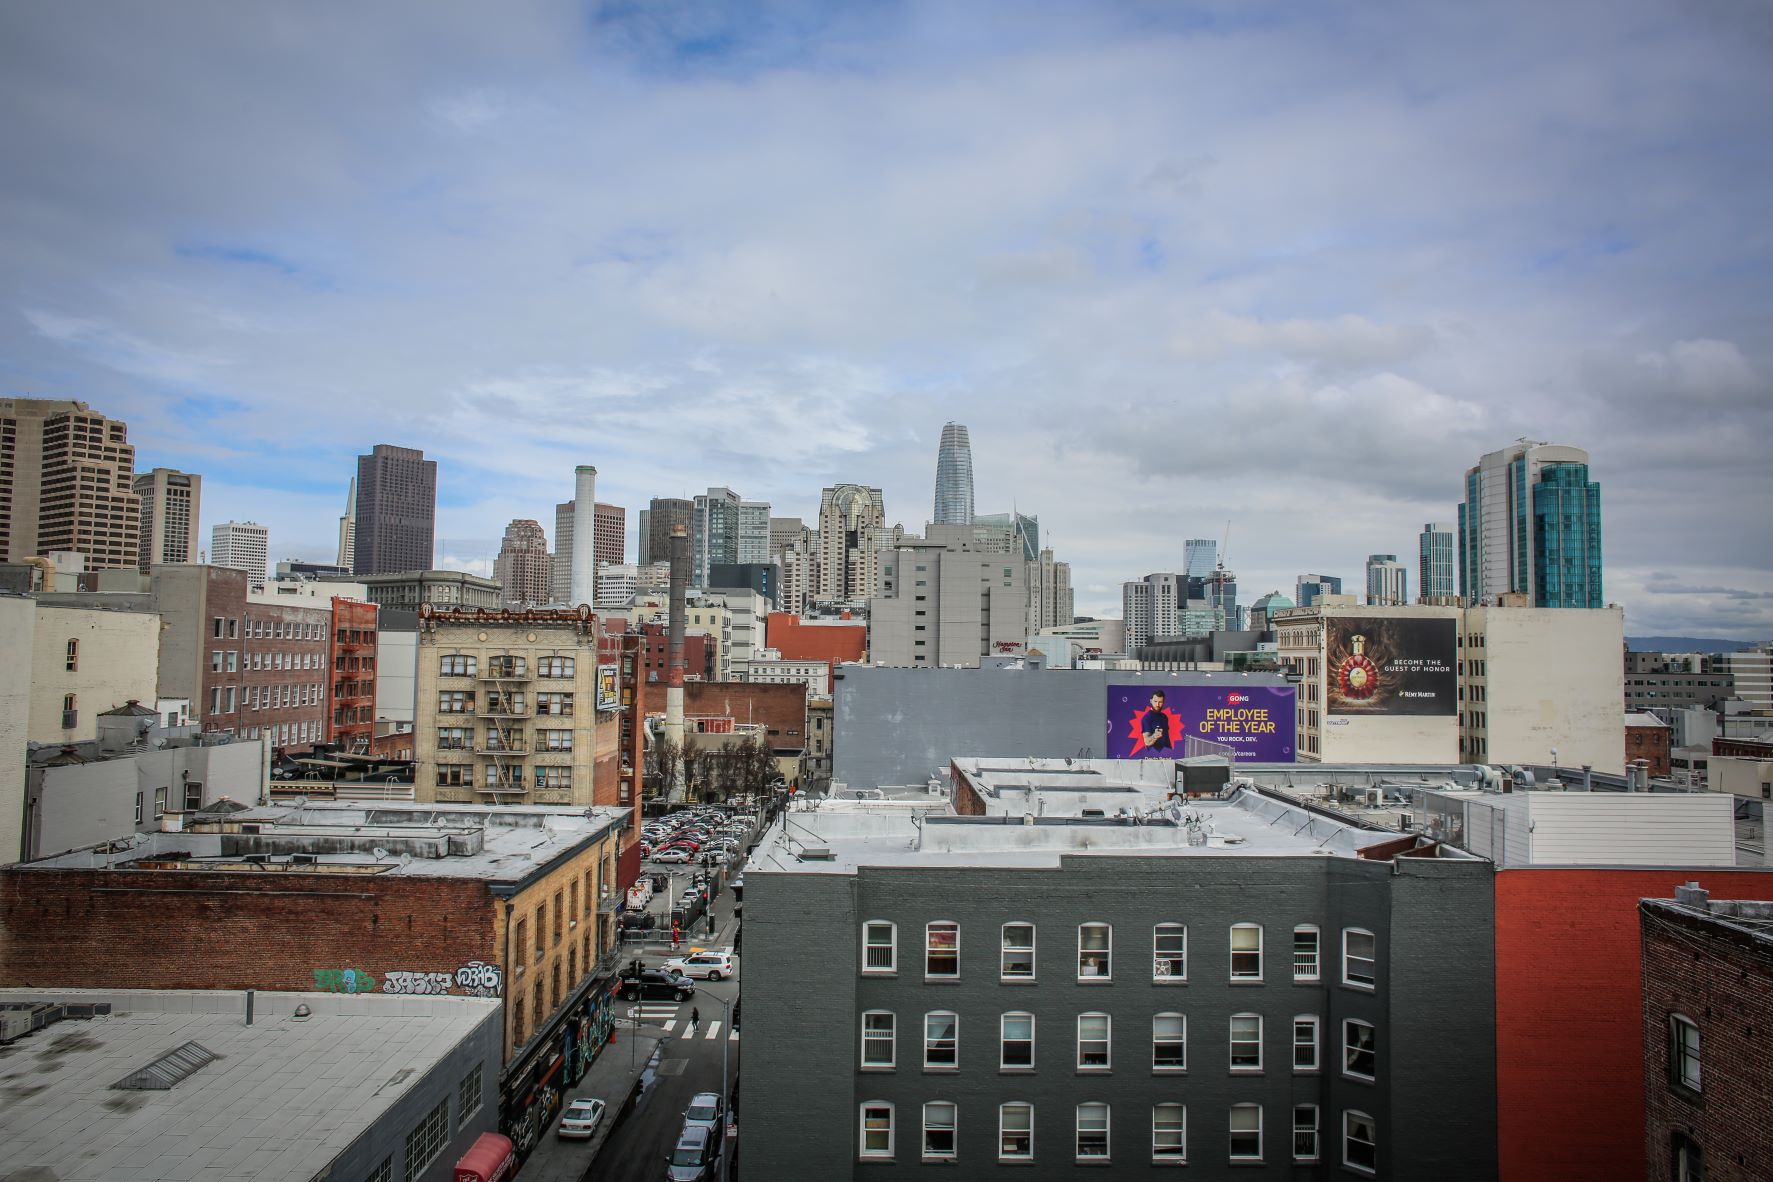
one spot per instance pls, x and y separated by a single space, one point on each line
710 966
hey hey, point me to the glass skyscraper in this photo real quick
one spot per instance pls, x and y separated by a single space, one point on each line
954 477
1531 525
1437 563
1199 555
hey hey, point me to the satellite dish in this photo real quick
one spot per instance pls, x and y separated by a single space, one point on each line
380 853
406 859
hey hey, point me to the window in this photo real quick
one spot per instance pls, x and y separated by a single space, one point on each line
1359 1053
1092 1042
877 1129
1359 954
938 1129
1305 953
1305 1132
1246 1132
1689 1162
1017 1039
1246 1042
553 777
159 803
468 1097
215 660
941 949
1246 952
455 702
1015 1131
560 705
1169 947
193 796
1095 951
453 738
138 808
941 1039
454 775
551 740
879 947
1360 1142
879 1037
554 667
1305 1041
426 1140
1018 952
1683 1051
383 1172
215 628
73 662
1092 1131
1169 1133
507 666
457 666
1169 1042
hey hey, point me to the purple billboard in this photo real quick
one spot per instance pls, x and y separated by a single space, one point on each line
1152 721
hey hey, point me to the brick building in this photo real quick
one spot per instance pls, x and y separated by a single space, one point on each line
833 643
1647 738
286 659
1708 1011
779 709
354 656
700 654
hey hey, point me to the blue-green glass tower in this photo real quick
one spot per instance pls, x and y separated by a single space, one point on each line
1566 538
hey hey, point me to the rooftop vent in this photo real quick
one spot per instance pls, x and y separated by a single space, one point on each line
167 1070
816 853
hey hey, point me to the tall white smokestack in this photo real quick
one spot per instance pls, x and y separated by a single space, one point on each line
584 581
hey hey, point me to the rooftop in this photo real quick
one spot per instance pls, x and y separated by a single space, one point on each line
1750 920
281 1098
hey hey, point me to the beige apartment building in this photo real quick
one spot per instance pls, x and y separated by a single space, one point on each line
67 480
172 502
513 708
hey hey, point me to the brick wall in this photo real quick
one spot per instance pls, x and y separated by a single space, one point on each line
1648 742
780 708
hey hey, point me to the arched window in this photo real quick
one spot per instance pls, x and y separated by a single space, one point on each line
1246 952
1360 1142
1016 1041
1169 951
1169 1133
941 949
1169 1042
880 948
1092 1131
1246 1132
877 1129
1018 952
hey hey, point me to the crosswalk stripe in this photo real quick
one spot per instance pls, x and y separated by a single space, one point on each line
733 1035
713 1029
670 1024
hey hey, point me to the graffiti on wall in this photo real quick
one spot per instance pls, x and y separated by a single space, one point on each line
343 981
478 979
474 979
429 983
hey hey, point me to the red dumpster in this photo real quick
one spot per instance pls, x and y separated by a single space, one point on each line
491 1158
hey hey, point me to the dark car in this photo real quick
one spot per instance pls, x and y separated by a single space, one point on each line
654 984
693 1158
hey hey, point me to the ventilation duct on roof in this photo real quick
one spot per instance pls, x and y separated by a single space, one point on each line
167 1070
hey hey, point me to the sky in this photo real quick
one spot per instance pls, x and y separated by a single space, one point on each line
1276 272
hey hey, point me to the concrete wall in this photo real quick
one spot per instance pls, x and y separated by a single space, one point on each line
18 622
1742 777
118 658
1551 678
1433 1097
901 726
397 667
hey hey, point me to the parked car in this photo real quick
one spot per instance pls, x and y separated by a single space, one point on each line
654 984
673 855
708 1112
693 1158
580 1120
710 966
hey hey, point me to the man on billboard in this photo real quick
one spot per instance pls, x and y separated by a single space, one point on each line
1154 724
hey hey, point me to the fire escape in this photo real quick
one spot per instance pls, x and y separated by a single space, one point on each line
353 700
505 707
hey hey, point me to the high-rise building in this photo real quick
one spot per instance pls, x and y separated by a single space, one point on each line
852 521
67 483
1020 528
1388 581
943 605
656 523
1531 524
795 550
524 567
1055 606
396 511
954 477
611 526
1308 588
170 504
1437 563
348 528
1150 606
1199 556
714 532
754 532
242 545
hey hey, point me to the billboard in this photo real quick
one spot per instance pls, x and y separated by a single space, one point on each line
1151 721
608 698
1385 665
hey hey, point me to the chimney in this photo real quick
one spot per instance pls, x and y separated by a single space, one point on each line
1693 895
584 572
680 573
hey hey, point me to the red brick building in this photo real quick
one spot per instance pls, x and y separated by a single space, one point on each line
285 671
779 709
699 653
1708 1016
798 640
1647 738
353 664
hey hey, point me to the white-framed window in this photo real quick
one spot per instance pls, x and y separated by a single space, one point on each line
1360 1142
1095 952
1246 952
877 1129
1305 1132
1360 956
72 662
1169 1133
879 1038
1360 1053
941 949
138 808
1015 1131
1683 1051
1246 1132
1305 1042
1092 1131
941 1039
880 947
1093 1035
938 1130
1169 952
1246 1042
457 666
554 667
159 803
426 1140
1018 952
1306 951
1016 1041
1169 1042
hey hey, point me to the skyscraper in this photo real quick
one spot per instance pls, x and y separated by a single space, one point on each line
1531 524
1151 607
171 501
67 480
714 532
954 477
1388 581
852 518
396 511
348 528
658 519
241 545
1199 556
610 524
754 532
1308 587
524 567
1437 563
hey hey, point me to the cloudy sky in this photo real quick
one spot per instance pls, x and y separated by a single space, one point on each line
1291 267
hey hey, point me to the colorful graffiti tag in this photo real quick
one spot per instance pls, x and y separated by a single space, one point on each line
343 981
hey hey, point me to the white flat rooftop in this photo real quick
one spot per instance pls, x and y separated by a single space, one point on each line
281 1100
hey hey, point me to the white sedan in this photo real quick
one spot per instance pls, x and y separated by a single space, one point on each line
580 1120
672 856
710 966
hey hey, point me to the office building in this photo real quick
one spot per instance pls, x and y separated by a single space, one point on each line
795 550
348 529
1530 525
610 527
657 521
1674 681
1050 584
170 503
524 568
754 532
1308 588
242 545
1199 557
396 511
1015 531
1437 563
852 520
1388 581
954 477
945 605
1262 611
1150 607
1750 672
714 532
67 479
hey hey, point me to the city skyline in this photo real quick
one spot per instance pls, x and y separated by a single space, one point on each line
1076 261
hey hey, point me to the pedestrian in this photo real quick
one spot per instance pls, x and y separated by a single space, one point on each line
695 1019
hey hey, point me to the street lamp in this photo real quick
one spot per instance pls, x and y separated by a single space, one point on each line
726 1013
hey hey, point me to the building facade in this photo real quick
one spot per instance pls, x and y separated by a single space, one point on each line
242 545
659 518
1388 581
954 477
1543 686
754 532
396 514
170 503
82 662
1530 524
524 569
851 519
1199 557
1308 589
1437 562
714 532
67 479
356 654
447 590
1150 606
940 606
